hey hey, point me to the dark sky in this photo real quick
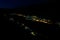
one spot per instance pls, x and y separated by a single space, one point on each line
16 3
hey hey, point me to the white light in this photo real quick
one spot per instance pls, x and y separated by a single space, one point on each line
26 27
22 24
11 19
19 14
24 16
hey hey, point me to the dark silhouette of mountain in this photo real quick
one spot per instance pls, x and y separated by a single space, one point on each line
45 10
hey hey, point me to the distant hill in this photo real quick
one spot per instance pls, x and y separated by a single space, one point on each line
45 10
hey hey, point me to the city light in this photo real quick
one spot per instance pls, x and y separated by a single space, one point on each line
33 33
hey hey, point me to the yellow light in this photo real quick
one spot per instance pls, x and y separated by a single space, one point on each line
40 20
37 20
34 19
45 22
33 33
34 16
19 14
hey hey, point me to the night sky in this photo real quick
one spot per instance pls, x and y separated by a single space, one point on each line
16 3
